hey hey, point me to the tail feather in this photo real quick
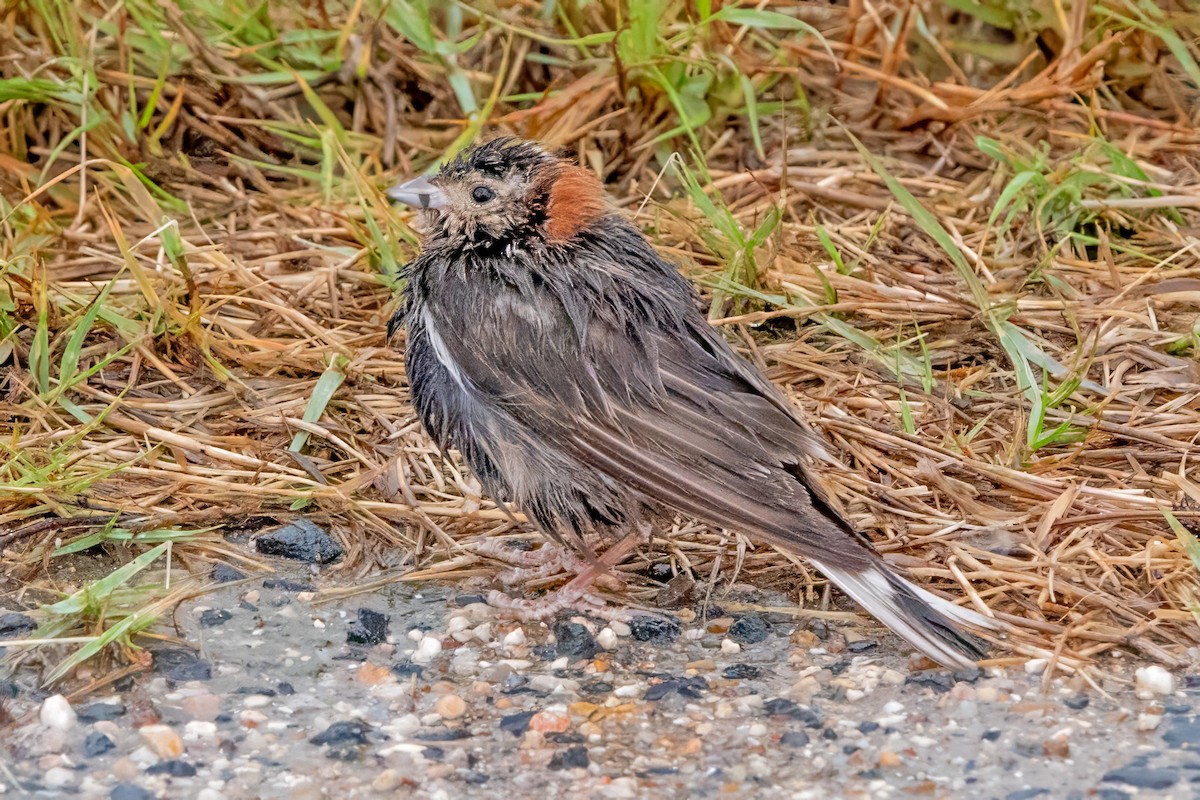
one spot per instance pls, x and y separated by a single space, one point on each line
927 622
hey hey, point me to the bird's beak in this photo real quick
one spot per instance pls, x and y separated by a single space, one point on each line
419 192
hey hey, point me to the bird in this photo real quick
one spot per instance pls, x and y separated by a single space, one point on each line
574 370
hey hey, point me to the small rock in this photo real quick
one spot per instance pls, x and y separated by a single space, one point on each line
1184 733
514 638
794 739
214 617
450 706
749 629
199 731
57 713
96 744
1142 777
301 540
607 639
573 640
16 626
571 757
862 645
1154 680
1148 722
427 650
730 647
387 781
175 768
181 665
549 722
736 672
1056 747
223 573
201 706
284 585
889 760
370 628
164 741
128 791
656 630
1077 702
353 731
96 712
58 778
517 724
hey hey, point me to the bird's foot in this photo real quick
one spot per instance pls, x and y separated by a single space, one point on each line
525 566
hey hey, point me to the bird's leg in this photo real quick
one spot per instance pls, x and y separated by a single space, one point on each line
578 594
526 566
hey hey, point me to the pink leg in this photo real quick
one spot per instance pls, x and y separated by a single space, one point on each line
578 594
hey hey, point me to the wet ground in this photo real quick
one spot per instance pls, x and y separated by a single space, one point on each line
420 691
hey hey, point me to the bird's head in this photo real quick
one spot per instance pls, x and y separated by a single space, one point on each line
504 192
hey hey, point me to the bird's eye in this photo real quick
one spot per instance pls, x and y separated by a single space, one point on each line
481 194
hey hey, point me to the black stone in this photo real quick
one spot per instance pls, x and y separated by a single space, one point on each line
301 540
265 691
749 629
688 687
779 706
862 645
564 737
434 753
284 585
573 640
655 771
1026 794
223 573
407 669
596 687
1078 702
97 744
868 727
794 739
476 778
938 681
181 665
571 757
447 735
128 791
469 600
370 628
1183 734
850 749
284 688
517 724
213 617
340 732
1029 749
992 735
16 626
175 768
96 712
737 672
545 651
657 630
830 734
1143 777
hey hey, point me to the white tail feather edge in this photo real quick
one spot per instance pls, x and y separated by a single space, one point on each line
876 591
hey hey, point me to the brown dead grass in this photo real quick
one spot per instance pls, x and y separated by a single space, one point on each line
279 280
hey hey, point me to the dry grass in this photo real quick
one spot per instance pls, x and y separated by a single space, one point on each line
175 311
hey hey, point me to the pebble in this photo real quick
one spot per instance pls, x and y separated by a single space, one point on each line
749 629
1152 681
1142 777
197 731
387 781
301 540
427 650
889 760
128 791
370 628
730 647
96 744
607 639
657 630
514 638
58 778
1148 722
450 707
573 640
57 713
165 741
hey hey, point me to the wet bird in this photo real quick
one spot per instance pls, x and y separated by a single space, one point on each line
572 368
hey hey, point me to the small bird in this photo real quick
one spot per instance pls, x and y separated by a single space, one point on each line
573 369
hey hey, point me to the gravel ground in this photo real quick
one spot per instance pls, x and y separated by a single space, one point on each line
417 691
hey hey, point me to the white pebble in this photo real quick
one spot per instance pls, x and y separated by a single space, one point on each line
256 701
58 777
199 730
607 638
893 707
560 663
57 713
514 638
402 726
1036 666
730 647
427 650
457 624
757 729
854 695
620 628
1154 680
416 634
631 690
1148 722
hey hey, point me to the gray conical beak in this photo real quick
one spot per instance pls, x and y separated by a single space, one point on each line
419 192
